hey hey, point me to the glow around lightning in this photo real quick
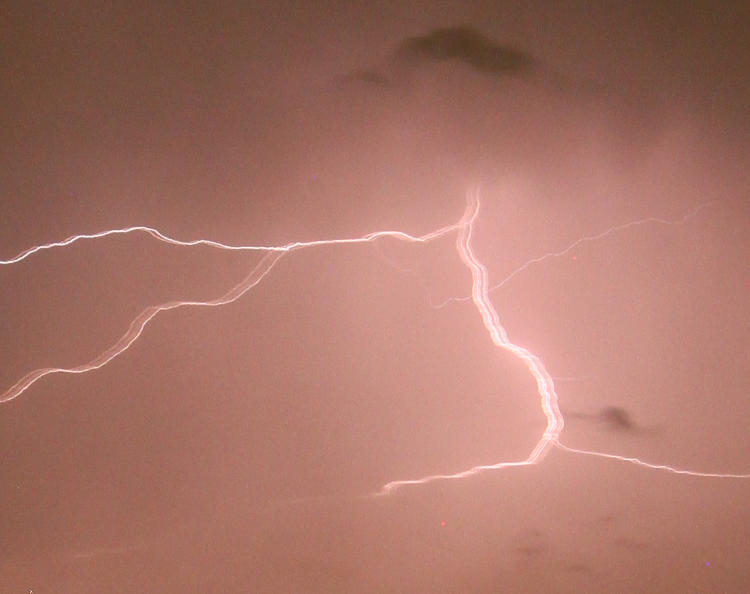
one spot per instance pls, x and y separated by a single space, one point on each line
479 295
545 385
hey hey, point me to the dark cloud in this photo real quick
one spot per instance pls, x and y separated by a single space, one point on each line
466 45
463 45
614 418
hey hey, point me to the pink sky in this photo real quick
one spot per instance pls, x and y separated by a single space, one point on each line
235 448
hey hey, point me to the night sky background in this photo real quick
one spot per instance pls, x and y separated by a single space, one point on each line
229 448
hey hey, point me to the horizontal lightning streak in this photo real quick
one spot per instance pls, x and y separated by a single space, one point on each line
223 246
640 462
269 260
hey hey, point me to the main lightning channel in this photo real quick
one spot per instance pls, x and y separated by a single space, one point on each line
545 385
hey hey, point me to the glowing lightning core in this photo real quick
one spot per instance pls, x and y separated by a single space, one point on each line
546 387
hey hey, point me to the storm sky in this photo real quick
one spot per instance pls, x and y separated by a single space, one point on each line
234 448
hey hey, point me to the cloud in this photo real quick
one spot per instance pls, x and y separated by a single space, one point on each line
463 45
468 46
614 418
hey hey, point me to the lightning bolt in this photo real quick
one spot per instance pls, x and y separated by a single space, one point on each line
272 255
480 297
545 385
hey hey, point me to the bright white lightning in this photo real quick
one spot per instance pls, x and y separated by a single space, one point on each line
216 244
545 385
269 260
479 296
137 326
639 462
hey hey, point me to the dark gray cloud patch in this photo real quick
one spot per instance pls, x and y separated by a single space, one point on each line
614 418
462 45
466 45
